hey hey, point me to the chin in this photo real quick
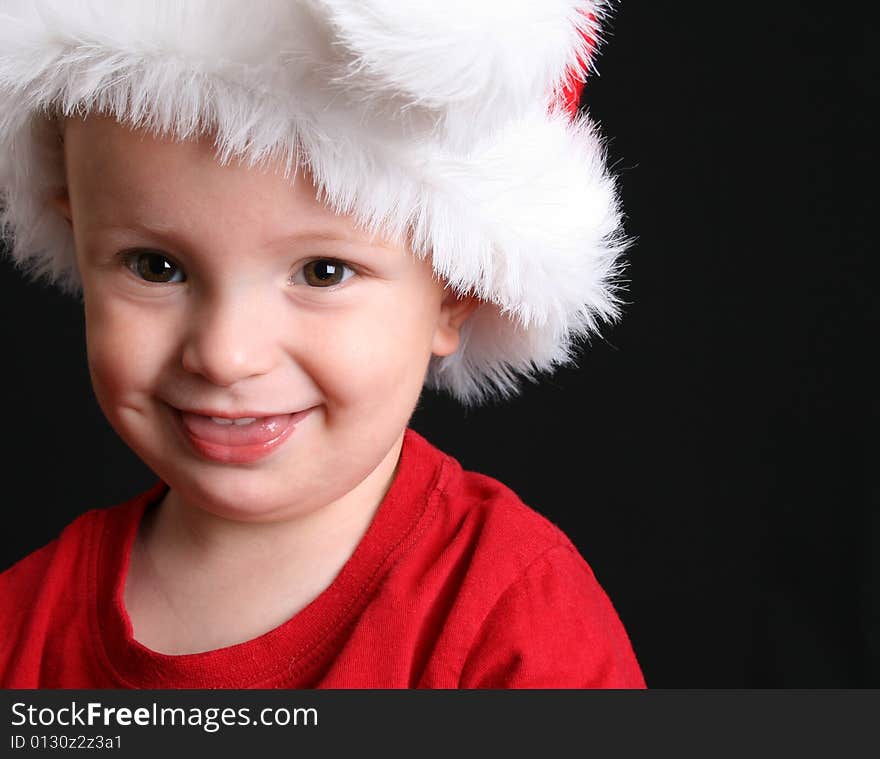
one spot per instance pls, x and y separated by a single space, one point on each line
242 499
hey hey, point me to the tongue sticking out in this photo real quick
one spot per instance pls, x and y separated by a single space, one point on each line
262 430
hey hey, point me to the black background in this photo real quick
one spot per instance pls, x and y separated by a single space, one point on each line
713 456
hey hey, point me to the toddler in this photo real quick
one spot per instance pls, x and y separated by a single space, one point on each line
286 219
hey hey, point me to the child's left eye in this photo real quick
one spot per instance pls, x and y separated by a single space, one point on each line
322 272
153 266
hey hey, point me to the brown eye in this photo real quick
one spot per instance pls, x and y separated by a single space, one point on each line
324 272
152 266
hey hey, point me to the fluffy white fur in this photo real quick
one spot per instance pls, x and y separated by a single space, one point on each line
433 122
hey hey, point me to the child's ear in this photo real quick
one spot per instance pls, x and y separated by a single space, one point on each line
61 201
454 311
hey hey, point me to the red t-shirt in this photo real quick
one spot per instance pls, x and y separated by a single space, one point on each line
456 584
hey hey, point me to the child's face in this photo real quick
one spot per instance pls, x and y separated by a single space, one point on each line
233 292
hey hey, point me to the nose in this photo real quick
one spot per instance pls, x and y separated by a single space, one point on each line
229 340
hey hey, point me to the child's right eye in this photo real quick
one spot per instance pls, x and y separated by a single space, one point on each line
152 266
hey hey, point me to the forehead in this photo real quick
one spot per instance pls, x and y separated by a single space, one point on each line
118 175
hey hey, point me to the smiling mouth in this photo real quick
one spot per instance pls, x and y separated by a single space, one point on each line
235 432
237 439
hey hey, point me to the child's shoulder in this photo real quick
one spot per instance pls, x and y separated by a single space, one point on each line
499 513
66 546
73 549
516 590
493 507
41 580
485 520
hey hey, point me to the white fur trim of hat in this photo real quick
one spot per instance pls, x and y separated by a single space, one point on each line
449 125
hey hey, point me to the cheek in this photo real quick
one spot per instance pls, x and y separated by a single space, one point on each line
376 358
123 347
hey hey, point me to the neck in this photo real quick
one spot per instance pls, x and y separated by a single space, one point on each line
188 564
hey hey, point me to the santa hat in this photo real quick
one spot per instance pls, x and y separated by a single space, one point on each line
452 125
